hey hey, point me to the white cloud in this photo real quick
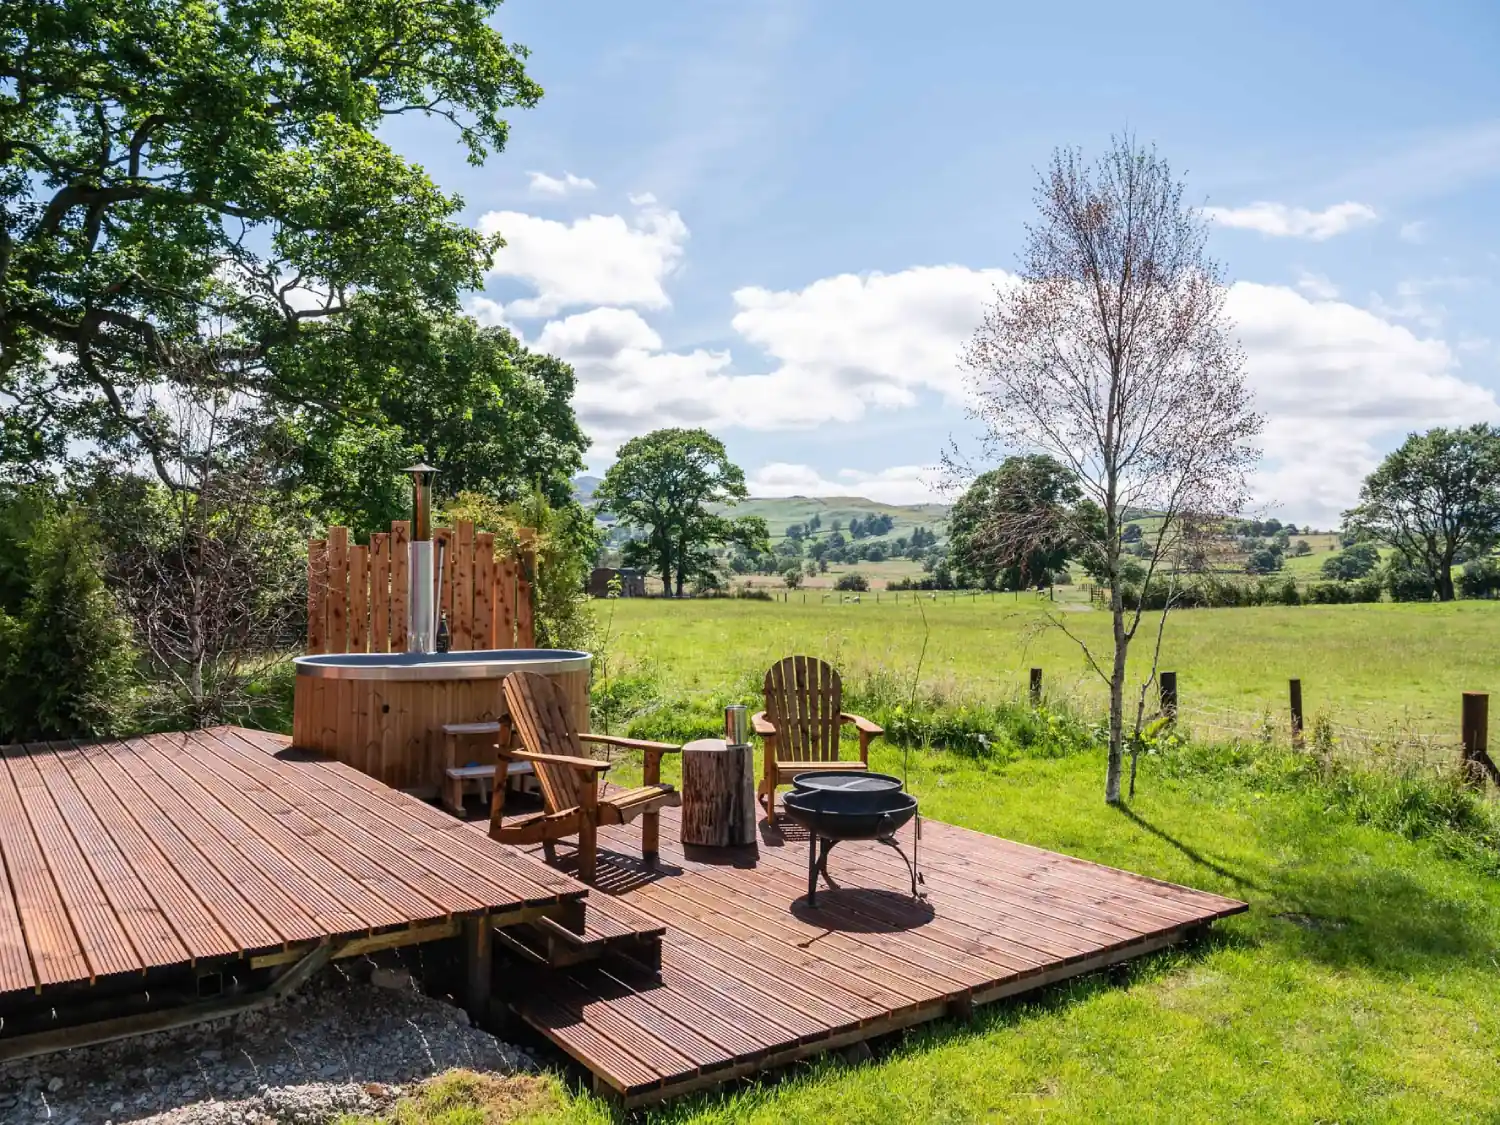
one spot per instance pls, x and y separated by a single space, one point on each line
1281 221
595 260
557 188
840 347
1415 231
1317 286
901 484
1337 384
880 338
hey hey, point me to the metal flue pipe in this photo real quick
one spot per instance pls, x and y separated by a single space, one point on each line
421 624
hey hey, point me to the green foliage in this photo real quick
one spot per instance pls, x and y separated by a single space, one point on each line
1480 578
565 544
666 484
1406 581
853 581
1354 561
492 416
1011 527
196 191
66 661
1436 496
1264 560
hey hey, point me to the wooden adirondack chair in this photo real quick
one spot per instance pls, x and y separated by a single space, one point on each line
800 725
570 781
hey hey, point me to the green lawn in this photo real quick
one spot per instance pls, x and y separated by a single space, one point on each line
1374 666
1360 987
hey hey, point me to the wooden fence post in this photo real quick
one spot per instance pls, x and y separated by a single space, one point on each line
1477 762
1296 694
1169 695
1036 686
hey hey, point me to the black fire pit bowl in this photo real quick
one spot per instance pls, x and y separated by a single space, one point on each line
833 815
846 781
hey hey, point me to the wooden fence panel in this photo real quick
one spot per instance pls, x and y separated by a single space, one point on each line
357 596
400 582
505 604
484 590
461 624
359 599
317 596
338 587
380 592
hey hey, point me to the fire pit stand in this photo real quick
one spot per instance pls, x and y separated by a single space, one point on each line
817 860
834 807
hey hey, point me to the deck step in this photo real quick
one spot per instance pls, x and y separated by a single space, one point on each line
610 927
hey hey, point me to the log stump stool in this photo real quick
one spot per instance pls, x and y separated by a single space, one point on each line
718 793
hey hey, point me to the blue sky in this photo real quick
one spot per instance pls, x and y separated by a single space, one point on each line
783 218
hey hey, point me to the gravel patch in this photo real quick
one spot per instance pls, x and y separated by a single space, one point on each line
340 1045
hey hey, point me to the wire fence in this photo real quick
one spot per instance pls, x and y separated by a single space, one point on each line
1399 746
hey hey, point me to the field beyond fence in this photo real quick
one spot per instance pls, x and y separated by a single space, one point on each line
1381 682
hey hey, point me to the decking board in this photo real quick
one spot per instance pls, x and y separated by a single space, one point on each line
120 857
751 977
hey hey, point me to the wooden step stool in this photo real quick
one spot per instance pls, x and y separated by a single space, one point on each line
456 777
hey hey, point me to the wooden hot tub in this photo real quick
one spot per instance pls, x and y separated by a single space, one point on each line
383 713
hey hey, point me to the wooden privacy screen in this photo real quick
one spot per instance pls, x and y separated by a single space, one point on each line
356 595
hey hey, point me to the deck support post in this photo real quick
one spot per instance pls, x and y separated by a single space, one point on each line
479 962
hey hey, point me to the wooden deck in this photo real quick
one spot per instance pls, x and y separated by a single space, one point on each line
118 858
752 978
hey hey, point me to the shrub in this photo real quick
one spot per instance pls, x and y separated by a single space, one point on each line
854 581
1355 561
66 661
1480 579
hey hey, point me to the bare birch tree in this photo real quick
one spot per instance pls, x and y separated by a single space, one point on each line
1111 352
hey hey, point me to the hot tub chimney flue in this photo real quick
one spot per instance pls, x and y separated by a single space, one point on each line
421 625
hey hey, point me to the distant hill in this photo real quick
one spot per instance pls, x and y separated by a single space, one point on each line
781 512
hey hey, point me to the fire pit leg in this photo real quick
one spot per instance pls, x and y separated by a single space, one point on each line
818 848
911 866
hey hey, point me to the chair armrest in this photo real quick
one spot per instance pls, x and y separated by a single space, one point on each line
630 743
561 760
861 724
762 725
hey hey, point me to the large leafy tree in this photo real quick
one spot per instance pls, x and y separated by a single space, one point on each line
667 484
1013 525
191 191
493 417
1437 495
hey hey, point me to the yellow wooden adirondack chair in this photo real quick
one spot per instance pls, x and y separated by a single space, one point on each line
801 723
570 781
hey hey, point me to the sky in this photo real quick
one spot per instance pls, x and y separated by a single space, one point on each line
781 220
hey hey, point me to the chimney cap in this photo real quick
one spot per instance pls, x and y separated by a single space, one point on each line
420 467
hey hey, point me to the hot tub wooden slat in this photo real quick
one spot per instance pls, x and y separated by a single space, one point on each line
383 714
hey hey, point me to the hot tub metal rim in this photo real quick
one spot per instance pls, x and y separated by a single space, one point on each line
476 664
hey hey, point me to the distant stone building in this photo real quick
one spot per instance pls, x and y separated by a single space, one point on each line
632 581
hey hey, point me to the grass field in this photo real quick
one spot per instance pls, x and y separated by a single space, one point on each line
1361 985
1359 988
1373 666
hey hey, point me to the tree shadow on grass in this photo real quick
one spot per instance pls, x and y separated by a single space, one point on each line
1380 918
1364 913
1201 859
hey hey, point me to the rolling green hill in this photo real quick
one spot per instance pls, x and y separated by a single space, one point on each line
782 512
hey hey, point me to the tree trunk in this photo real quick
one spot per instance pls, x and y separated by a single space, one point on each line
1116 699
1445 590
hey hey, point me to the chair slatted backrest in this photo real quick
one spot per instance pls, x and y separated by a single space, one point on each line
804 696
541 721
